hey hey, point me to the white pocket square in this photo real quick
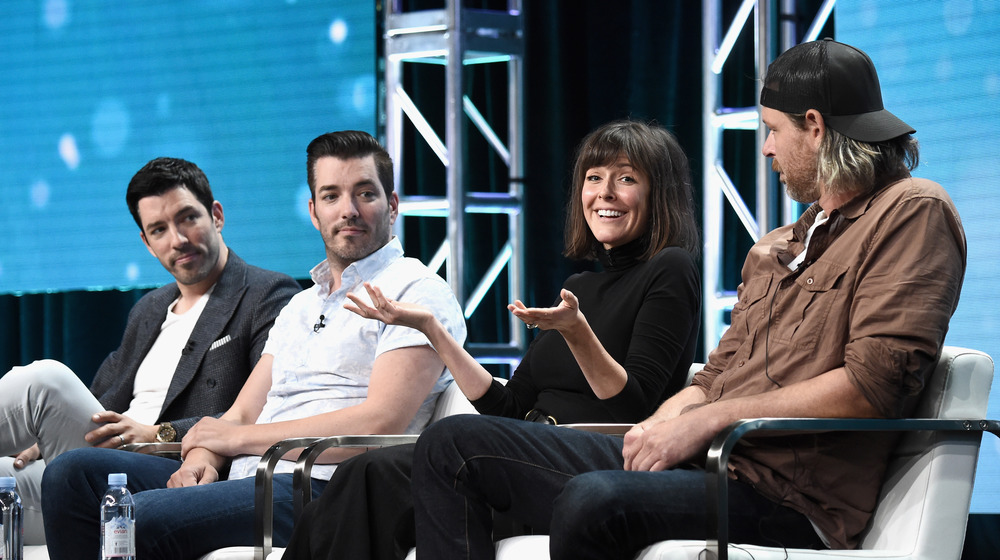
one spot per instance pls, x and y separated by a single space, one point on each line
220 342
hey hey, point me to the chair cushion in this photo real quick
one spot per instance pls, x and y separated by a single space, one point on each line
36 552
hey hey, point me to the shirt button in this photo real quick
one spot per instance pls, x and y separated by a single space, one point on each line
210 382
809 281
742 362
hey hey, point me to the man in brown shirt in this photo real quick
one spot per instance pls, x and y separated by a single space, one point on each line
841 314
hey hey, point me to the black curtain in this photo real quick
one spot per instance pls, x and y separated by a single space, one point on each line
588 63
78 328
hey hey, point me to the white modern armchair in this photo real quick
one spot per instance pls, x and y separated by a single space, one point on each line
924 502
451 401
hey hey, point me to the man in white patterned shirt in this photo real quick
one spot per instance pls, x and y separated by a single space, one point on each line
324 372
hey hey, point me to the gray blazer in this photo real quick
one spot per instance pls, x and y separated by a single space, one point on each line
225 345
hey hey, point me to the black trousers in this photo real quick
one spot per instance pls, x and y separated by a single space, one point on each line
366 511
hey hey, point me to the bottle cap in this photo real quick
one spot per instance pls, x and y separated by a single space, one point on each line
8 482
117 479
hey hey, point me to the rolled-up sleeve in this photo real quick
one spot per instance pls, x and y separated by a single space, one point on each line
906 291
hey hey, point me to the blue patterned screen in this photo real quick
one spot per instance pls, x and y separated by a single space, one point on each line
90 91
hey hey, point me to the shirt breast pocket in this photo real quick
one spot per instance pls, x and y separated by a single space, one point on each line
748 310
802 311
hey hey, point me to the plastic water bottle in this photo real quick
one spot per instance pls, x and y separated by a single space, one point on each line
117 520
11 532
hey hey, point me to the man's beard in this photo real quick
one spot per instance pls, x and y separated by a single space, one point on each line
377 235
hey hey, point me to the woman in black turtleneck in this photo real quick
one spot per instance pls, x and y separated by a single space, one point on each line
614 346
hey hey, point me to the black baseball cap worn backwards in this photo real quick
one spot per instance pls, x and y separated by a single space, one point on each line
837 80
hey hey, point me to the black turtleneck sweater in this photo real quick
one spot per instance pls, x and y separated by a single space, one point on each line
647 316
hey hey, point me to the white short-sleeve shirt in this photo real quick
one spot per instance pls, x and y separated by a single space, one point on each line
320 369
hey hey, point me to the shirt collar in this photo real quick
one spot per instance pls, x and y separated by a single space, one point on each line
805 220
839 220
857 206
357 271
851 210
854 208
623 257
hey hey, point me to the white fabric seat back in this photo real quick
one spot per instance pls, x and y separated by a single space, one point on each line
928 485
452 401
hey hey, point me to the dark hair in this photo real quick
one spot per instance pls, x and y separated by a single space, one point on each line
165 174
655 152
349 144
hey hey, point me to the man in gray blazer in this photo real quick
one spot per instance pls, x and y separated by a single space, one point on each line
188 346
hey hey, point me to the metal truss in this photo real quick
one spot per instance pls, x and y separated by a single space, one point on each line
718 188
460 39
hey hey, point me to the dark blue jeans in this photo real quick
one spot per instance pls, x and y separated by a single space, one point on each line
171 523
571 485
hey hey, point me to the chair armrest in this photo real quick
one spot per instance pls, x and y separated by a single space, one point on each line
716 471
302 488
264 477
607 429
264 493
303 466
172 449
263 484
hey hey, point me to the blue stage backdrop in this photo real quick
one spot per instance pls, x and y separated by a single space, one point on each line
939 63
90 91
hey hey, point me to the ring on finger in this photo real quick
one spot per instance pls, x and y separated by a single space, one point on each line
121 438
531 325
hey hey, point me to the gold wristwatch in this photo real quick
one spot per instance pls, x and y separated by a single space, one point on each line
166 433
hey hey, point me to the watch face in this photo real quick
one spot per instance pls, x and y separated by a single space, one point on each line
166 433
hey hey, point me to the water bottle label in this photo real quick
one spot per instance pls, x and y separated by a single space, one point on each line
119 538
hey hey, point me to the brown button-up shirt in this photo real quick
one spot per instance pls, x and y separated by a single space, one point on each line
874 295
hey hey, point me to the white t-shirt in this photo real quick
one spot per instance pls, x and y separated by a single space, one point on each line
153 377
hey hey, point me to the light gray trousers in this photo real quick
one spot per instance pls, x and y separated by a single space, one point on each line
44 403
